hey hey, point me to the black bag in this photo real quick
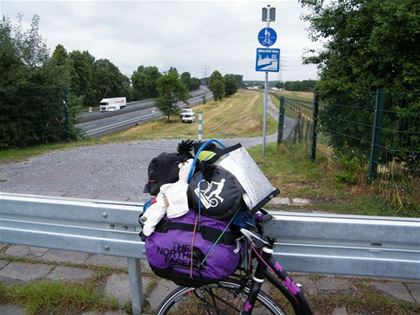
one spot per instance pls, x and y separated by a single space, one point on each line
215 191
164 169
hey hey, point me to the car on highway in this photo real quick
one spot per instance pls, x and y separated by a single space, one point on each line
188 117
185 111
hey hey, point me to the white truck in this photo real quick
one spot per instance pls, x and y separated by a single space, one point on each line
111 104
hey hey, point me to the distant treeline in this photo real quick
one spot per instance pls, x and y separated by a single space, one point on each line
41 93
305 85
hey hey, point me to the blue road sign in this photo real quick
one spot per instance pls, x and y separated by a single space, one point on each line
268 60
267 36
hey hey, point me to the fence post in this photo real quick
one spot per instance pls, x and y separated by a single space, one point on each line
315 110
200 126
378 121
134 277
281 121
66 114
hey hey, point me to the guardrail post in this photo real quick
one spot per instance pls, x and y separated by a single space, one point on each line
315 110
134 276
281 121
378 122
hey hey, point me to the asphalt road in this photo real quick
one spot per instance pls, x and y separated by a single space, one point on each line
131 106
132 115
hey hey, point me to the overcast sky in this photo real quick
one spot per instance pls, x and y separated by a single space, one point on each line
190 35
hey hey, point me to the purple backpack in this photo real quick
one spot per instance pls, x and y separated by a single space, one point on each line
168 250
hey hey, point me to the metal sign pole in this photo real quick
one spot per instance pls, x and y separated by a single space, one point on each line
265 95
265 113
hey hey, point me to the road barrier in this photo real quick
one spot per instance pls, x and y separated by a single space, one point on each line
319 243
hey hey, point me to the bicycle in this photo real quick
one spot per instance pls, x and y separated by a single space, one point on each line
242 293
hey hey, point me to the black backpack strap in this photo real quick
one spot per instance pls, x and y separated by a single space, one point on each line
221 152
208 233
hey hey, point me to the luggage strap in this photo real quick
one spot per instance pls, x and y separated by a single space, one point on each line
207 233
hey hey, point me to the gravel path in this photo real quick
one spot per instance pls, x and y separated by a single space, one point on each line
115 171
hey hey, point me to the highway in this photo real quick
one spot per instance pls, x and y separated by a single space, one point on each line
96 123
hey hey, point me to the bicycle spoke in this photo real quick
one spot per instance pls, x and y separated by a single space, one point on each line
210 291
226 303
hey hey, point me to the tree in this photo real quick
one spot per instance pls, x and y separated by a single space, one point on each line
144 81
368 45
217 85
171 90
186 79
82 80
108 80
239 78
231 85
305 85
32 88
174 71
279 85
194 84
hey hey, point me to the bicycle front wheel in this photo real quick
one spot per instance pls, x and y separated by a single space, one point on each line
218 298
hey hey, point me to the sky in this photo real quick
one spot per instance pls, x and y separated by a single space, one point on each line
194 36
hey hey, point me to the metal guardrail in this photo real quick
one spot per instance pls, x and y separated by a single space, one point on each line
338 244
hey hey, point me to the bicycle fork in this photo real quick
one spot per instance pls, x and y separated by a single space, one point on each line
287 286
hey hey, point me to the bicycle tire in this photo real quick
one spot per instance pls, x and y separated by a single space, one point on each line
188 300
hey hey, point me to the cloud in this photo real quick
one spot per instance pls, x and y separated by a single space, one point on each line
187 35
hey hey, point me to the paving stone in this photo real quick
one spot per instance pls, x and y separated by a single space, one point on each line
10 309
25 251
163 288
65 256
3 263
332 284
308 286
145 267
414 289
279 201
104 260
24 271
118 286
395 289
301 201
340 311
69 274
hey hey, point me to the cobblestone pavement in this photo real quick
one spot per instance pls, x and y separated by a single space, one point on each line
53 265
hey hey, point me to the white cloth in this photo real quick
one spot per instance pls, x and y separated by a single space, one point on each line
153 215
172 200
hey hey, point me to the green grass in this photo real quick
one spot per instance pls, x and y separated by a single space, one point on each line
237 116
50 297
287 110
362 299
289 168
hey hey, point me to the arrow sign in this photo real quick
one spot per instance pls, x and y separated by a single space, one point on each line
268 60
267 36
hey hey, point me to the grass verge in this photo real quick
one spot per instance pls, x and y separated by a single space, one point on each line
56 297
327 183
237 116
